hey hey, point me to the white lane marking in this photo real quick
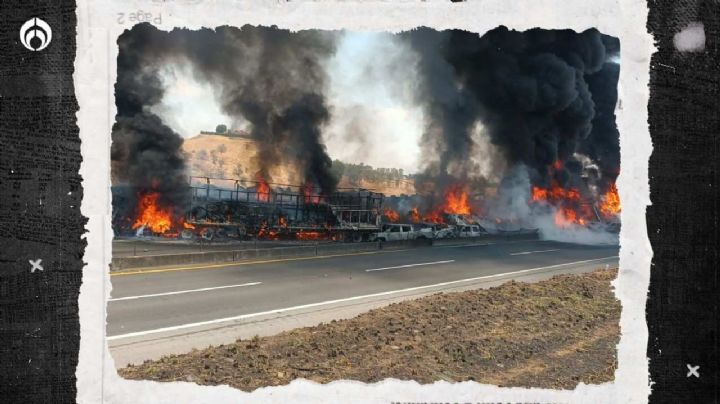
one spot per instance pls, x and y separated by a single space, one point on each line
347 299
463 245
491 243
180 292
411 265
532 252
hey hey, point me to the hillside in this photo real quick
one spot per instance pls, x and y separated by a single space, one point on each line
234 157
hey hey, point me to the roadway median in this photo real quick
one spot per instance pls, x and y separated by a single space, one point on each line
138 263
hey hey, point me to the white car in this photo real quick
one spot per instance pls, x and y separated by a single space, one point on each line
394 232
434 231
473 230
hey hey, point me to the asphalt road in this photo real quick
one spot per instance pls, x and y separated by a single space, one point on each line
180 300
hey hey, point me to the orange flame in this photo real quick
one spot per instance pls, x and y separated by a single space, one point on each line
264 232
539 194
317 235
263 189
456 201
151 215
564 217
415 215
610 204
434 217
308 190
391 215
561 197
309 235
555 193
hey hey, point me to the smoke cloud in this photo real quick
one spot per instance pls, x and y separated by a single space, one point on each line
524 109
269 77
146 154
273 79
532 92
545 99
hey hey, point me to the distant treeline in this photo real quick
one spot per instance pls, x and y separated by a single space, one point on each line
357 172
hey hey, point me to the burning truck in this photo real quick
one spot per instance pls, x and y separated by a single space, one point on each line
241 209
234 208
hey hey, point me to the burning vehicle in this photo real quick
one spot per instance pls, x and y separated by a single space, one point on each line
517 134
436 230
258 210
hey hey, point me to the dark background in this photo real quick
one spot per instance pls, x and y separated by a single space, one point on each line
40 158
683 219
39 161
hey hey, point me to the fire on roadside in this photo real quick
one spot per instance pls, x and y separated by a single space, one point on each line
570 210
391 215
610 202
415 216
263 189
267 233
455 201
564 199
308 193
151 215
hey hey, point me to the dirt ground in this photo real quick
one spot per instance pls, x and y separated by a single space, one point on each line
553 334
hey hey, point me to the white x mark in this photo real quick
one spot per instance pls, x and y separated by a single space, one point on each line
36 265
693 371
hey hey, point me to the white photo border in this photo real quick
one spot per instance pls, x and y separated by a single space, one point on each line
100 24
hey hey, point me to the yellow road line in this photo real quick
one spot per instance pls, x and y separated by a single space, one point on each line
238 263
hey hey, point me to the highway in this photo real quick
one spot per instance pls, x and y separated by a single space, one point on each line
177 303
134 247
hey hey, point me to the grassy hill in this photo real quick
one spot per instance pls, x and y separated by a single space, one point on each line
234 157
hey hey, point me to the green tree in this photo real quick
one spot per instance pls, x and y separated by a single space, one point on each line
221 128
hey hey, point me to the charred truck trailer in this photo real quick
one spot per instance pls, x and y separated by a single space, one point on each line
243 209
280 211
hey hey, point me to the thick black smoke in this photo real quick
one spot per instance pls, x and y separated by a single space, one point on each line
602 145
274 79
452 110
146 154
530 90
269 77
